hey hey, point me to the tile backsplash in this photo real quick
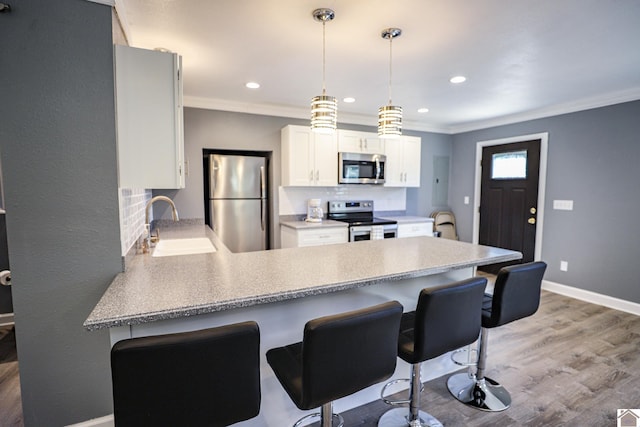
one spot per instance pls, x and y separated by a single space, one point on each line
132 206
293 200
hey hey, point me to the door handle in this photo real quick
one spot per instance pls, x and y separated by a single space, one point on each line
263 183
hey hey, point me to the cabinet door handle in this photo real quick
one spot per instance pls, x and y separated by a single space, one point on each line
317 175
311 176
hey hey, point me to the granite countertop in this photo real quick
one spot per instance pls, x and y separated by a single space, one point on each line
407 219
179 286
326 223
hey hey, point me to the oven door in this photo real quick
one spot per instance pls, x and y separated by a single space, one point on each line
356 168
366 232
359 232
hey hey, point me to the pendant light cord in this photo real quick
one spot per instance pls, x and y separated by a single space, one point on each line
390 66
324 92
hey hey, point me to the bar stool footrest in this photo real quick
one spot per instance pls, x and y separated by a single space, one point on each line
469 352
336 420
397 402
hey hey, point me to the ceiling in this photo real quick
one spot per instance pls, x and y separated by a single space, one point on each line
523 59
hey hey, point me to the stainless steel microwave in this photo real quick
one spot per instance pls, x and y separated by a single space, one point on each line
358 168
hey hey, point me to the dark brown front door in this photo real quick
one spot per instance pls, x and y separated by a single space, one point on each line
509 199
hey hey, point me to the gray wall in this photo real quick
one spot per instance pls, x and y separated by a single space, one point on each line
238 131
59 167
592 160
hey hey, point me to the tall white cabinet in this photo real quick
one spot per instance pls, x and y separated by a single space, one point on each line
308 158
149 118
403 162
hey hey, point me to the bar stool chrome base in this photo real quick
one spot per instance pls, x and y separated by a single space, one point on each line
399 417
484 394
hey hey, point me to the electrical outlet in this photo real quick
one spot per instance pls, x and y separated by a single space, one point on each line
563 205
564 266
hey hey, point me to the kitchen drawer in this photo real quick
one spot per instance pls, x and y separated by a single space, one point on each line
415 229
292 238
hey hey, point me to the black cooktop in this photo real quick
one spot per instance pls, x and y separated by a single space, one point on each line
354 220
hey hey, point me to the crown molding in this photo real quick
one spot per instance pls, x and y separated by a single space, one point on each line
360 119
554 110
298 113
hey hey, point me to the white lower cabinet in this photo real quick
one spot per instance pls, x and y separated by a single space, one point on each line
296 238
414 229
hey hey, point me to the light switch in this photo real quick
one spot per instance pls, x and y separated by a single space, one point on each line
466 200
564 266
563 205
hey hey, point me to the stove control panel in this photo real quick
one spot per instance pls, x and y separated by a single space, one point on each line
346 206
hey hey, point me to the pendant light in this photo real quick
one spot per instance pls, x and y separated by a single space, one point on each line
324 108
390 116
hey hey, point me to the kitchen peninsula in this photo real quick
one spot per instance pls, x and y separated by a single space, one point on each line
281 289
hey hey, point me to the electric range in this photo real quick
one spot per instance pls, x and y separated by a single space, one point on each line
362 224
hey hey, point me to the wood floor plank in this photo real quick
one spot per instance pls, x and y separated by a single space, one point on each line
10 400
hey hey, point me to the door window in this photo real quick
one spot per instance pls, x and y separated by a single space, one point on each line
511 165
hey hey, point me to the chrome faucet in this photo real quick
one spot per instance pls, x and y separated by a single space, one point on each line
150 240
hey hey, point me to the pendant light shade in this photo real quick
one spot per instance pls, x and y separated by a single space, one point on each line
390 116
324 108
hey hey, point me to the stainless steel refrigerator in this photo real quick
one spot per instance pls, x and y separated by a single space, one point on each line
238 203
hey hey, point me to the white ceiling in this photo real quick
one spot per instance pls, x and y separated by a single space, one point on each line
523 59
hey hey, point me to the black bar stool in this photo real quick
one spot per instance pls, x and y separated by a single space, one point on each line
446 318
202 378
516 295
339 355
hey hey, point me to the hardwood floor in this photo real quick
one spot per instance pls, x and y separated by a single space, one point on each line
570 364
10 402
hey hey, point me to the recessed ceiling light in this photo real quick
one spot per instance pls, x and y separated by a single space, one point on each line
349 100
423 110
458 79
253 85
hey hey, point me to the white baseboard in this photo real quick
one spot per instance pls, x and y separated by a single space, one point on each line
592 297
106 421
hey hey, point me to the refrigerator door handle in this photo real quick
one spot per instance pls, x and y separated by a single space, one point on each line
263 183
262 214
213 170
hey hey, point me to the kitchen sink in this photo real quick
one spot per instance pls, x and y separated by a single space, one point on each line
173 247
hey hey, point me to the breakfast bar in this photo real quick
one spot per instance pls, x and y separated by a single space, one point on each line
281 290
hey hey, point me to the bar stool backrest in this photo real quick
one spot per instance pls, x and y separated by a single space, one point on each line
447 318
516 294
346 352
209 378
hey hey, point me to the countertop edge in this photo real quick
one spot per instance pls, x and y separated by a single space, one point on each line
106 323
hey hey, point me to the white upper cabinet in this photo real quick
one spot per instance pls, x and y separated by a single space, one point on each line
403 162
149 118
308 158
350 141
